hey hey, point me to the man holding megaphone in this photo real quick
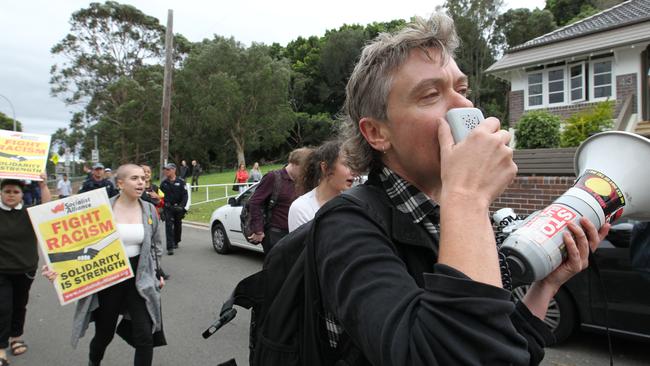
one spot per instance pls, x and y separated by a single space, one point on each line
420 283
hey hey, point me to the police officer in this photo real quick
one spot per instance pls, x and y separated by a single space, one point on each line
175 200
97 180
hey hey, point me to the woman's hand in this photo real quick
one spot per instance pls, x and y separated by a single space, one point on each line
162 283
47 273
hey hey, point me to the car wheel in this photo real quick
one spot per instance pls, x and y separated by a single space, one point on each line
220 241
561 313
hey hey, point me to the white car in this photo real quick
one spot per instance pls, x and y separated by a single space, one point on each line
226 226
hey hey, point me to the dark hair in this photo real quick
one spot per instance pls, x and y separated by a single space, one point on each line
12 182
311 175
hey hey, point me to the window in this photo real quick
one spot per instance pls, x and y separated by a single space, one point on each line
602 79
561 83
577 80
535 96
556 86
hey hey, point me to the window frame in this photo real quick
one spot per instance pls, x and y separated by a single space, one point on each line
583 84
547 95
527 93
592 79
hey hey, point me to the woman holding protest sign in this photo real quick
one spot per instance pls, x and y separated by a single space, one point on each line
137 223
18 262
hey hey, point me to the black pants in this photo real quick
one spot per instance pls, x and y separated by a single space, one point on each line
173 227
14 294
123 296
272 236
195 182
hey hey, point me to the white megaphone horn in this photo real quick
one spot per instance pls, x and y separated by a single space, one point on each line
613 181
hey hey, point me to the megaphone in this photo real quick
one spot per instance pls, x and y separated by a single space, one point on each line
612 182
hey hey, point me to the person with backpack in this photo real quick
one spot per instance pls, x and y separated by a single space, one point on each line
418 280
268 231
325 175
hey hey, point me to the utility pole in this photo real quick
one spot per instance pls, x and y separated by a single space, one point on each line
167 93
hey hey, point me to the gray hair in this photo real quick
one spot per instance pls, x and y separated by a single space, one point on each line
371 80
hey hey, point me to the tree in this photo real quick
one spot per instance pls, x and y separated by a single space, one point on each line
340 50
537 130
108 45
517 26
312 130
238 96
7 123
476 25
107 41
585 123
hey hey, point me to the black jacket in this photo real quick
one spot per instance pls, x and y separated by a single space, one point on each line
175 192
185 171
91 184
402 308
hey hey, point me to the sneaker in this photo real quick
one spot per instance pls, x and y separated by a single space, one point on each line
170 252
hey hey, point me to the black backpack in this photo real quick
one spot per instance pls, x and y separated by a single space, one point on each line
245 215
287 321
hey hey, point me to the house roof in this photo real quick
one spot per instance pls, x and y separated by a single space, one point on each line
625 24
623 14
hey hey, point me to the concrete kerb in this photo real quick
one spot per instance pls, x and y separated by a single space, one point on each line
196 224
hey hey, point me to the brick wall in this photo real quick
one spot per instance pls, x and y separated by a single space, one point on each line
625 85
516 107
528 194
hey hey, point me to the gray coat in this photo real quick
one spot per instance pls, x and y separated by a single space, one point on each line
145 281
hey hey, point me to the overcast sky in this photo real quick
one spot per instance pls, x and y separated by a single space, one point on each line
29 28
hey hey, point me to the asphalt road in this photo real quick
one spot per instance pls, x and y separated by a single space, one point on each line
201 280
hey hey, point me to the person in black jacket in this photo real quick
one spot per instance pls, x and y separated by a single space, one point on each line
174 209
426 287
185 170
196 173
97 180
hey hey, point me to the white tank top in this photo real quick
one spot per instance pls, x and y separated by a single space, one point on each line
132 236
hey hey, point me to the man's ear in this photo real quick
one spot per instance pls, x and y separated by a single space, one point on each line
376 133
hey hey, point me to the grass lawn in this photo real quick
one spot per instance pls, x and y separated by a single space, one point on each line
203 211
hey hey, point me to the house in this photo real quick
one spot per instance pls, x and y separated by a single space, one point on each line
603 57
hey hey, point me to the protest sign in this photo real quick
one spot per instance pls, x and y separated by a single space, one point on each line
79 240
23 155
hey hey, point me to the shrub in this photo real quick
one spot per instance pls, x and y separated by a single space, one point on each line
537 130
585 123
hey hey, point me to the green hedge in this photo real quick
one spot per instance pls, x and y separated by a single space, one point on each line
537 130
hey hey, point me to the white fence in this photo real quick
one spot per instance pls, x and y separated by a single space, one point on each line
213 192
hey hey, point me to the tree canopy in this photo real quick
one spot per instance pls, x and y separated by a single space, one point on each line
7 123
233 102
